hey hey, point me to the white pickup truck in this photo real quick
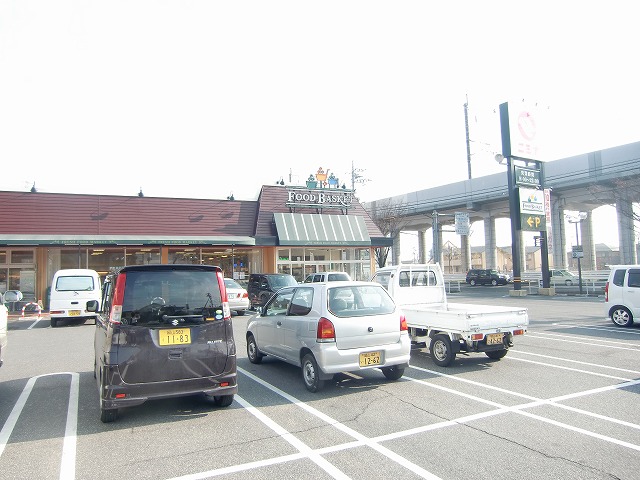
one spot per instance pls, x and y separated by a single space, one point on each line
449 328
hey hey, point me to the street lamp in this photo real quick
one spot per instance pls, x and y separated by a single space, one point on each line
576 219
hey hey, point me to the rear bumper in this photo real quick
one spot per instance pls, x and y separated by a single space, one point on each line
64 313
331 360
112 386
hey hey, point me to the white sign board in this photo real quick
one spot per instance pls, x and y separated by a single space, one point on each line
462 223
531 201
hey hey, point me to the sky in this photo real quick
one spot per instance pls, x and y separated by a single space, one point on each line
204 99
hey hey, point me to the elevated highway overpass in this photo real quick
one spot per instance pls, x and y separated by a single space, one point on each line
579 183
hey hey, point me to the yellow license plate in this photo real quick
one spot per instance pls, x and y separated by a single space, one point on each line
494 338
369 358
74 313
175 336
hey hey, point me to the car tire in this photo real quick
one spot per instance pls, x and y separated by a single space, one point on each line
494 282
393 373
496 354
240 312
108 416
472 283
54 322
311 374
622 317
222 400
441 350
254 354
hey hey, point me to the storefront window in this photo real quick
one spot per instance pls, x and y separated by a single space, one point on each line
76 258
22 256
301 262
182 255
105 260
142 256
3 257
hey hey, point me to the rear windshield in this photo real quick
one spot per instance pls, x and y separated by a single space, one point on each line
338 277
161 297
75 283
279 281
230 283
359 301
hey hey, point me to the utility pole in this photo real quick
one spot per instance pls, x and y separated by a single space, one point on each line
466 127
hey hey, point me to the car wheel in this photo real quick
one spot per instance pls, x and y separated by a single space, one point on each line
240 312
472 283
494 282
54 322
222 400
311 373
393 373
108 416
496 354
441 351
622 317
255 356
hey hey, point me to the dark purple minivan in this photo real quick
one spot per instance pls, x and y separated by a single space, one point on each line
163 331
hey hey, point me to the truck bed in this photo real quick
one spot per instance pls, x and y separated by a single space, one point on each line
465 317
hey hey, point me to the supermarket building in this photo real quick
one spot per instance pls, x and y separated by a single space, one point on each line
289 229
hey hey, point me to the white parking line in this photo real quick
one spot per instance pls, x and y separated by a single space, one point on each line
567 339
68 462
305 451
548 357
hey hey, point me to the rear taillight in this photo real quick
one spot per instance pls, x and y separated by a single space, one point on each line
245 295
115 315
403 324
326 332
226 311
606 291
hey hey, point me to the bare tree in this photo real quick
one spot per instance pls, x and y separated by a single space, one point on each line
388 217
622 190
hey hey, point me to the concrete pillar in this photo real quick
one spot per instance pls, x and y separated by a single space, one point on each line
628 254
465 254
422 246
588 262
395 249
490 242
559 258
438 258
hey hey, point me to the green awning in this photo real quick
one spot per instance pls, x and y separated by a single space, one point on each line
310 229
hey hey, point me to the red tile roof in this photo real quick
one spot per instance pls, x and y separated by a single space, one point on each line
79 214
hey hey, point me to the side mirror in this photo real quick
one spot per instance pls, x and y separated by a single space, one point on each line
93 306
12 296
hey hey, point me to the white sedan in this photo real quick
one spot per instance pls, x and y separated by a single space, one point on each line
328 328
237 296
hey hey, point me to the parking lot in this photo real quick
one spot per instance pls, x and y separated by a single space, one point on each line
561 404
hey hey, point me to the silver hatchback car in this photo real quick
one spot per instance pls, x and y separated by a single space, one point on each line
328 328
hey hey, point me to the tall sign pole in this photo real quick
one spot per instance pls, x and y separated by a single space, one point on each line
527 198
514 211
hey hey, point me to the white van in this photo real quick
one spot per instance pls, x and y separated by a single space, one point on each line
71 289
622 294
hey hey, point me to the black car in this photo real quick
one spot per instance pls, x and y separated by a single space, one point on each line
163 331
486 276
262 285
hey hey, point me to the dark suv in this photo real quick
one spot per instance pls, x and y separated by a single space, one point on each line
262 285
163 331
486 276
